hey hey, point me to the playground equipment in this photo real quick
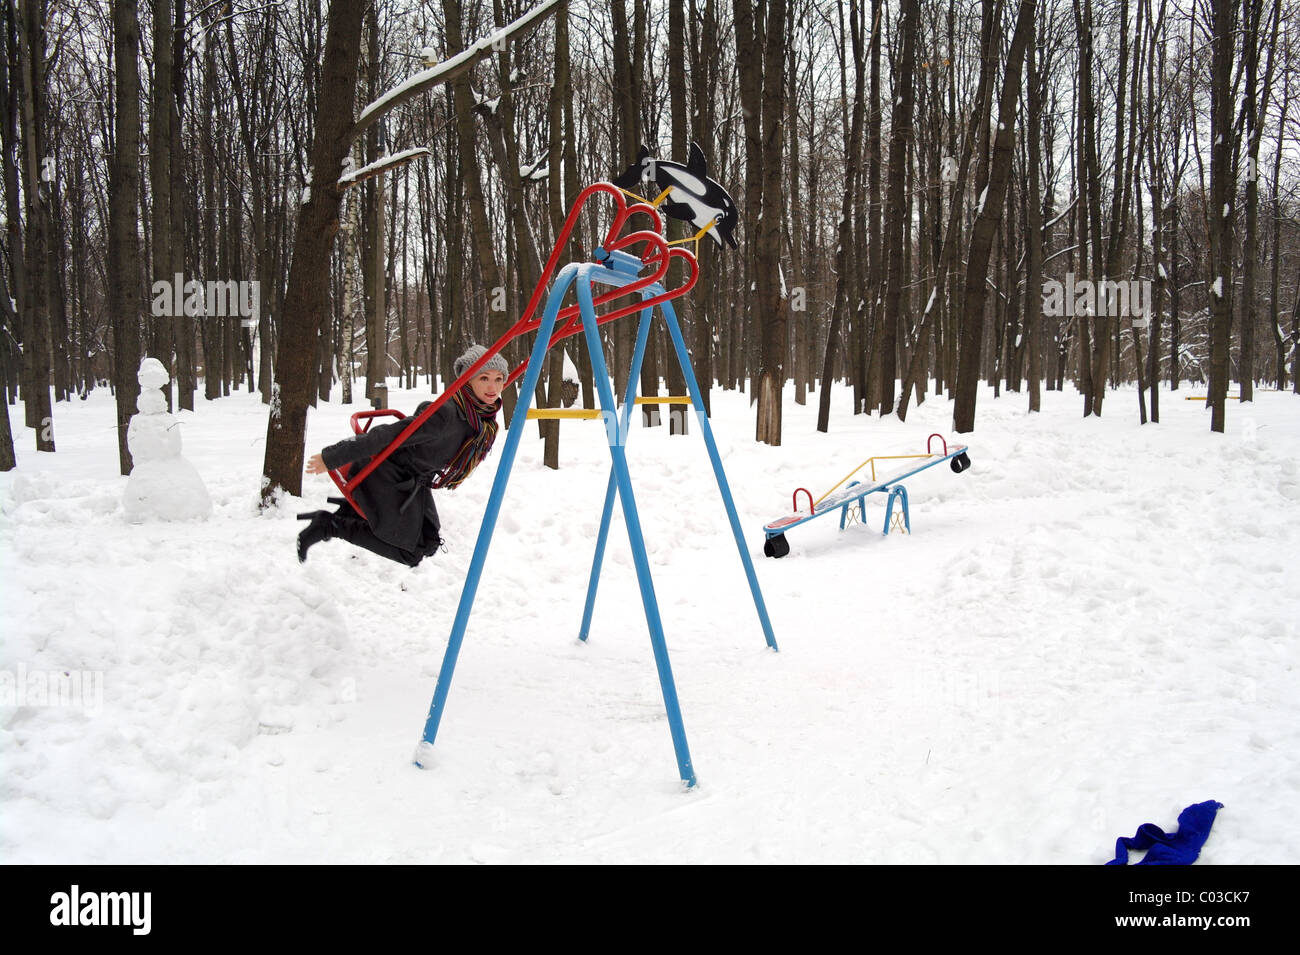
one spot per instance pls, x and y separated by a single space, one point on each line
552 414
855 492
625 274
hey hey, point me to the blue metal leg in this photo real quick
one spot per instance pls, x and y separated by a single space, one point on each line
598 558
683 358
625 429
862 508
899 493
563 280
619 455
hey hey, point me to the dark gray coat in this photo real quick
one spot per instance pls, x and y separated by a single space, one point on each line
396 495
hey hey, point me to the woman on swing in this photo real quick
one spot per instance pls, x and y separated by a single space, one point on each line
401 522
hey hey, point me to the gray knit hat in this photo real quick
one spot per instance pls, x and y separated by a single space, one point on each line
473 354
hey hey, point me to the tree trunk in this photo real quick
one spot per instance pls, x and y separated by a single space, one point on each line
1255 109
863 356
749 62
1295 339
14 262
124 296
843 250
997 168
1156 172
374 245
1220 212
899 137
1034 224
35 311
676 381
483 242
1175 316
947 275
1094 338
767 255
704 69
306 297
1274 318
795 233
165 247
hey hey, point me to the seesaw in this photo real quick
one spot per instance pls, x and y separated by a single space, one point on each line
775 544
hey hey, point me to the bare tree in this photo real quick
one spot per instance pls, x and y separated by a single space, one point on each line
36 191
899 140
1258 37
124 295
1220 214
995 170
843 251
167 246
767 247
306 298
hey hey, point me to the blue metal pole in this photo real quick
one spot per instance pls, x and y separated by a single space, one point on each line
683 358
601 537
563 280
625 429
619 455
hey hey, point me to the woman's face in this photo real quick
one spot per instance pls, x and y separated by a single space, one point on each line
487 386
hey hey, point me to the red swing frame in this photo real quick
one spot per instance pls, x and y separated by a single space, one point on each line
656 252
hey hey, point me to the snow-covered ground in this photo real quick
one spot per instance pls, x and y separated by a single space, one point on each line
1094 627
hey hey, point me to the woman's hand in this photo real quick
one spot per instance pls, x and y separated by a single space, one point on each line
316 465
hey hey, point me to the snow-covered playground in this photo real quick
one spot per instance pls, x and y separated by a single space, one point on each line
1095 626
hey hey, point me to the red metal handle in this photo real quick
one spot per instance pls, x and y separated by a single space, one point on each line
573 325
795 500
362 420
941 438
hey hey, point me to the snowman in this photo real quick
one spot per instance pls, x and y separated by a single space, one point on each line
163 485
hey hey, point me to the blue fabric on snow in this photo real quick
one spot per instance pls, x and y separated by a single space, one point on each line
1177 848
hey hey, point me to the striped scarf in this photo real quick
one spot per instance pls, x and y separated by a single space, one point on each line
483 418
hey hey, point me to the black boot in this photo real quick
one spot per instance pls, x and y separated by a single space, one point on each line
320 529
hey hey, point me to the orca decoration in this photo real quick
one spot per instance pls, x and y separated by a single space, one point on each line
693 196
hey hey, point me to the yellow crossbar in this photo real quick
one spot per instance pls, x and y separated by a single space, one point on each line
550 413
892 457
547 414
872 461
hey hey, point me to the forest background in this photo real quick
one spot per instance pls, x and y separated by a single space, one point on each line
932 195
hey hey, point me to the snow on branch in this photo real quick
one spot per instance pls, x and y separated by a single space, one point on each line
449 69
536 171
381 165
